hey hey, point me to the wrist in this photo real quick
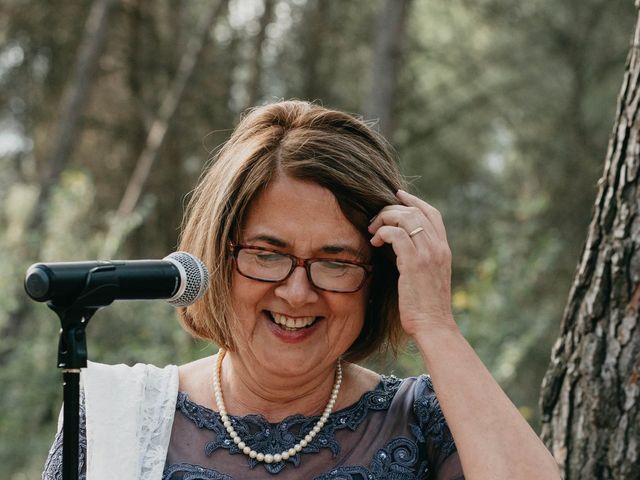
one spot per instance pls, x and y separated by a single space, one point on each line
438 340
435 327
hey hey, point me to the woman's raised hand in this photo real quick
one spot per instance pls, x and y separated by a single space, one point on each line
417 235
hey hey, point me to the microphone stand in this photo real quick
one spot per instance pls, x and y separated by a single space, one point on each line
72 355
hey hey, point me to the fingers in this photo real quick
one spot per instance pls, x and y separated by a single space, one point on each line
407 219
414 213
431 213
396 236
400 242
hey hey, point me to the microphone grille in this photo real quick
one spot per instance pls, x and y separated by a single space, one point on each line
195 281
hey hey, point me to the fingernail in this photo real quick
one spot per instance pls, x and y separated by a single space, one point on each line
374 217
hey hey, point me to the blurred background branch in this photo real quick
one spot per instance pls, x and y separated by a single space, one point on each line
158 130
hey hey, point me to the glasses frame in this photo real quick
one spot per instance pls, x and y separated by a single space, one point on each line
296 262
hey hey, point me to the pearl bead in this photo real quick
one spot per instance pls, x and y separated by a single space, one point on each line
297 448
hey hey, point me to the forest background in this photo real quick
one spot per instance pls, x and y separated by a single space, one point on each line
500 112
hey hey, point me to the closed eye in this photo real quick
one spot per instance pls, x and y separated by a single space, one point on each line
269 257
334 265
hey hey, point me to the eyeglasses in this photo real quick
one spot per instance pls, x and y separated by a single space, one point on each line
266 265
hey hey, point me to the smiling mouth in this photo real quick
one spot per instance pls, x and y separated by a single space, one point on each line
291 324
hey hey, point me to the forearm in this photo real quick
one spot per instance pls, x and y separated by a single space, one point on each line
494 441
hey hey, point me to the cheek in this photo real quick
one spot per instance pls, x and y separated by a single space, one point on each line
352 310
246 293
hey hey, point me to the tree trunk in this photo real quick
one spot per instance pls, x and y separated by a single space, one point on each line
255 66
74 98
60 147
590 407
316 14
390 34
121 223
160 124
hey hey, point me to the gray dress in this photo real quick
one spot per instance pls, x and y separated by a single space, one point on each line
395 431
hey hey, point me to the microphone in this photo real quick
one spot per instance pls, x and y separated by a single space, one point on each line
180 278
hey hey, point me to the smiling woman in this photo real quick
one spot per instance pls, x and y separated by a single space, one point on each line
358 174
318 259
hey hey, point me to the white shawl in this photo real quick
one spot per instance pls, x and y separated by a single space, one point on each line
129 418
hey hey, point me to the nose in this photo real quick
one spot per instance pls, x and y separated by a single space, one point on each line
297 290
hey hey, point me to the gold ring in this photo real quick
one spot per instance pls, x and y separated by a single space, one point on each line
416 231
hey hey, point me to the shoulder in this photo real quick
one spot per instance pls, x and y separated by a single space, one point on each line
431 426
357 381
419 393
415 399
196 380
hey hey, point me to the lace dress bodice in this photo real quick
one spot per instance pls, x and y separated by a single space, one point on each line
395 431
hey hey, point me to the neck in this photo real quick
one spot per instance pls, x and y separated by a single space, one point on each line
249 390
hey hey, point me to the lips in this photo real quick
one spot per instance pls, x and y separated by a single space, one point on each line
292 323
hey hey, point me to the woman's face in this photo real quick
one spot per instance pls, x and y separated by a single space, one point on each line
303 219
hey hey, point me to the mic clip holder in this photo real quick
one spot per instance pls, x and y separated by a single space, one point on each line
72 345
74 317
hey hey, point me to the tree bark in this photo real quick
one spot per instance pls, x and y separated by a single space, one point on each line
390 35
589 402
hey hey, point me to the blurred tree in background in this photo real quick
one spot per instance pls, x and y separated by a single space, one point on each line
499 111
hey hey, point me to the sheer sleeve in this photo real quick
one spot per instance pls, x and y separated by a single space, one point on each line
450 468
433 432
53 465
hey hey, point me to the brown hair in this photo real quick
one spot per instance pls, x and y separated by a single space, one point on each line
308 142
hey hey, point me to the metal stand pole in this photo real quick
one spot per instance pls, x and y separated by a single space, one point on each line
71 426
72 356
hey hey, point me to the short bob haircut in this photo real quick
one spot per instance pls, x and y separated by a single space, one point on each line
307 142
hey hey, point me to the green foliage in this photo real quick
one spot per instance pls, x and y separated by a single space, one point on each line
502 114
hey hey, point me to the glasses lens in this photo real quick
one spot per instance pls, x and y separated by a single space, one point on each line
337 276
263 265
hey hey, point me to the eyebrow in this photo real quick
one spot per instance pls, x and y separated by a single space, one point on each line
331 248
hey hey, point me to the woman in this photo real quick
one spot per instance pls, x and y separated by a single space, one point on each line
318 259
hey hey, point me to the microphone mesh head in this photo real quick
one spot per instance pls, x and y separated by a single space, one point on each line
196 279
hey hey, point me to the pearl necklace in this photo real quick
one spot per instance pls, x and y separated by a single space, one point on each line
285 455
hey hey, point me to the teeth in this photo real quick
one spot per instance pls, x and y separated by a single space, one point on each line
292 323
